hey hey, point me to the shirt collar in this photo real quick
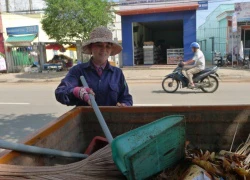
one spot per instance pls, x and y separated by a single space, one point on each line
97 66
90 64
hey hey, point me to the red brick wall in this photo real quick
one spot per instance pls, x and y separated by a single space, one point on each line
2 43
1 36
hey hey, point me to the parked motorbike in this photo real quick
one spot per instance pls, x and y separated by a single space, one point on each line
217 59
206 80
227 58
246 61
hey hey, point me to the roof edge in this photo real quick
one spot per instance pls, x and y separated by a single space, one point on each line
158 10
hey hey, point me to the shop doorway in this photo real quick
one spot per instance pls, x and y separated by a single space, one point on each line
158 42
245 37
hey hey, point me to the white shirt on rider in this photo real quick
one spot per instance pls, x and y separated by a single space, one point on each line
199 59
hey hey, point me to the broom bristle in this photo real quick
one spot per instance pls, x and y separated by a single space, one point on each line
99 165
245 150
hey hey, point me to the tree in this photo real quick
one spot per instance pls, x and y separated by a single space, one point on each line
69 20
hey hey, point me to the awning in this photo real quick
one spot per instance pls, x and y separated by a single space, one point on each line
20 40
158 9
71 47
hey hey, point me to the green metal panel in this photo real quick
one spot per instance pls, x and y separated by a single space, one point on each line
151 148
22 58
222 40
28 38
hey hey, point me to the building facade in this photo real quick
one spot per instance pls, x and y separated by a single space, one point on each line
215 35
169 29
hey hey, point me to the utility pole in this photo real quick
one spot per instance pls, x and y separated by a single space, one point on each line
30 3
7 5
212 38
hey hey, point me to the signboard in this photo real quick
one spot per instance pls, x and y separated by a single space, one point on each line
234 39
203 5
2 64
234 22
242 11
22 30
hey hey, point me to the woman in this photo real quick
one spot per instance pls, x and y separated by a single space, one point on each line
106 82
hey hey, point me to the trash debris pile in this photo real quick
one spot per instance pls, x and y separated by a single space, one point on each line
200 164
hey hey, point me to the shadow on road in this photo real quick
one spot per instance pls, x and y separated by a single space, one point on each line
14 128
178 92
49 75
237 68
159 92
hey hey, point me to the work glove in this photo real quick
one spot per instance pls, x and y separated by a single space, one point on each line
82 93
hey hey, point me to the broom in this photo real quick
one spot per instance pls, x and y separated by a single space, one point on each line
100 165
97 166
245 150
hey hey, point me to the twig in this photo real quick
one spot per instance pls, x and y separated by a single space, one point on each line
247 160
234 137
243 149
239 148
248 139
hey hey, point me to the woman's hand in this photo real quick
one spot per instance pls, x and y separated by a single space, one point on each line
83 94
121 104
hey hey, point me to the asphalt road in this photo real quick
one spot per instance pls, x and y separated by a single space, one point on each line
227 93
26 107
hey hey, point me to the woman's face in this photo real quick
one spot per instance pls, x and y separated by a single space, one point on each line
101 51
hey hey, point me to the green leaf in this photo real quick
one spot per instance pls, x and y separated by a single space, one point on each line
70 20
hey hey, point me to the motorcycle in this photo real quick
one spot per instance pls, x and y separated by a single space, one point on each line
206 80
242 61
246 62
217 59
225 60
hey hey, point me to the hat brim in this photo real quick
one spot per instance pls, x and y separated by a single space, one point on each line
116 48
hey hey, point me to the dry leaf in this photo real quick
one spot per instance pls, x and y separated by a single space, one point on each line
241 172
208 167
212 156
205 157
226 165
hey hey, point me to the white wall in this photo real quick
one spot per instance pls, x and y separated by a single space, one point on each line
17 20
117 32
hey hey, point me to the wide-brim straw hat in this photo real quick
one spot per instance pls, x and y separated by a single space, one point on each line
101 34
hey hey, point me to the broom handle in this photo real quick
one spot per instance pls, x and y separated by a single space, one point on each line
38 150
98 113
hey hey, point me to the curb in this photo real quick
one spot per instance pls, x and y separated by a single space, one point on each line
145 80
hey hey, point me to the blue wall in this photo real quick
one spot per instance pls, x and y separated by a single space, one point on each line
189 28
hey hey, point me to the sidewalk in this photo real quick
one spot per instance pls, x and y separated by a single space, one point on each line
132 74
225 74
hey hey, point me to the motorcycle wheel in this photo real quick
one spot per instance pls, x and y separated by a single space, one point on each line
209 85
170 85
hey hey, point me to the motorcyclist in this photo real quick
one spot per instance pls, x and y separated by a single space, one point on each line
197 62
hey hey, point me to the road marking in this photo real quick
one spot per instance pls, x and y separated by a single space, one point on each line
5 103
152 105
